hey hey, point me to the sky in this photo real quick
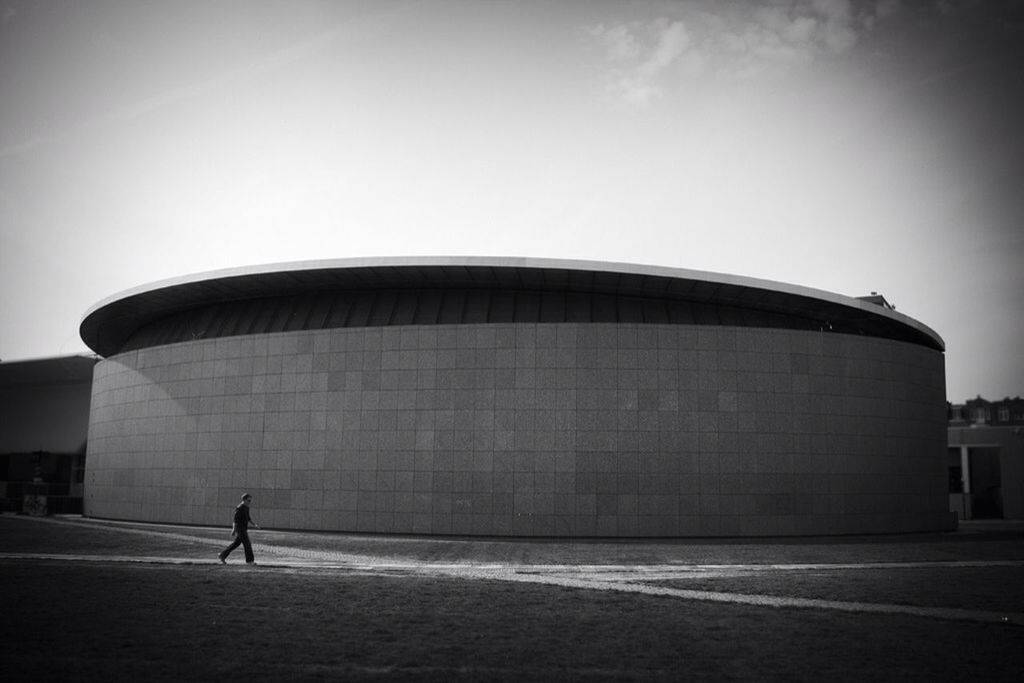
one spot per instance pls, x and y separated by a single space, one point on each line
835 144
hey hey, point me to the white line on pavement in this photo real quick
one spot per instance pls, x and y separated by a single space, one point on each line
593 577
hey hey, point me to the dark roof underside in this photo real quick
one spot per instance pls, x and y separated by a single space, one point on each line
382 295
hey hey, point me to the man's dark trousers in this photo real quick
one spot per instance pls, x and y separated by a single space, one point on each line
241 538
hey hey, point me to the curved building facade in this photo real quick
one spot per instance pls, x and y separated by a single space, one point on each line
514 397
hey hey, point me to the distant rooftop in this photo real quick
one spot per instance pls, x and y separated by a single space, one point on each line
57 370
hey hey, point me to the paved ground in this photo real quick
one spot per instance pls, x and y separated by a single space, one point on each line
972 576
597 565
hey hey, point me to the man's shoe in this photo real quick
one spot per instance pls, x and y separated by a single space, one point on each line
221 559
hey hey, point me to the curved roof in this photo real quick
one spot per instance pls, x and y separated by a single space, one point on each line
112 323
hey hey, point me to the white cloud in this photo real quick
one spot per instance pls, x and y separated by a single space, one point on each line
640 53
672 41
838 25
886 8
621 44
734 41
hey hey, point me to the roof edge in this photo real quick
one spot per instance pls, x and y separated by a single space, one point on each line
516 262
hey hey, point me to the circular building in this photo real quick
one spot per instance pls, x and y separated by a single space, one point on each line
501 396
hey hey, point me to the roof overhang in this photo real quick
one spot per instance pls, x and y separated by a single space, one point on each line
109 323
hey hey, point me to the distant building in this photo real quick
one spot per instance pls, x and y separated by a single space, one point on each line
44 421
986 458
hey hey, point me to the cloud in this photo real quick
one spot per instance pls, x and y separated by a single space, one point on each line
621 44
731 41
838 32
886 8
883 10
672 42
640 53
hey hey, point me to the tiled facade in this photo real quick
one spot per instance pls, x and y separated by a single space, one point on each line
564 429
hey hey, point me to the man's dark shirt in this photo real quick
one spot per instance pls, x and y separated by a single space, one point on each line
242 518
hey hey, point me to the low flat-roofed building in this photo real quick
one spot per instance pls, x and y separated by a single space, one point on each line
44 422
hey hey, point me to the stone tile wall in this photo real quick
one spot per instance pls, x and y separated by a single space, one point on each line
528 429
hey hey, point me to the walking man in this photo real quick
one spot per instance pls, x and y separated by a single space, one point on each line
240 530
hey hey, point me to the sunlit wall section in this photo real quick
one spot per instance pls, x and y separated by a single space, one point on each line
534 429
